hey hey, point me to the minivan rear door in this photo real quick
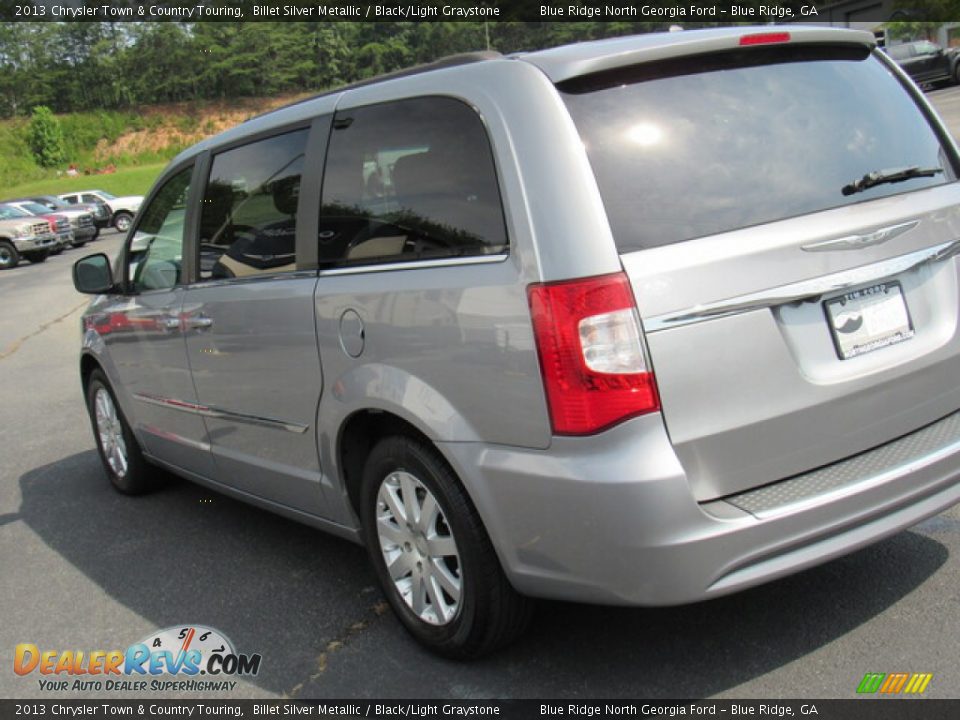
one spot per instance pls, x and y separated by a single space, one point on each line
787 216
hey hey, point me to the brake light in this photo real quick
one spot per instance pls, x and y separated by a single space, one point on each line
591 357
765 38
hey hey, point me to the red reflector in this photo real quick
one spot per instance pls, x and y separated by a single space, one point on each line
576 326
765 38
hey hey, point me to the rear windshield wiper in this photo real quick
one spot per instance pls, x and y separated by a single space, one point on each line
880 177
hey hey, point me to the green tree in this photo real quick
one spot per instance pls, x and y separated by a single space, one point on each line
45 137
912 30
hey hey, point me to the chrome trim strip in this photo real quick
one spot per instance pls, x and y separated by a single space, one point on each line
805 290
173 437
220 413
261 277
416 265
855 242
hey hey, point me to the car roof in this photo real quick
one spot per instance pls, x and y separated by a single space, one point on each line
558 64
568 61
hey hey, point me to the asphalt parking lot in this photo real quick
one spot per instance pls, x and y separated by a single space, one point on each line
85 568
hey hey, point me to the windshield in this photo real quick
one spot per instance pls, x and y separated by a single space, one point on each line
55 202
106 195
35 208
698 146
8 212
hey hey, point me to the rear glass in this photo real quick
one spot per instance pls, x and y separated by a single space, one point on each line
703 145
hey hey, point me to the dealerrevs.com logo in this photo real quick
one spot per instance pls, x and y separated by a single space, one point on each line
179 658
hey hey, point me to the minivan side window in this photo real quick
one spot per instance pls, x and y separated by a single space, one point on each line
155 254
409 180
248 222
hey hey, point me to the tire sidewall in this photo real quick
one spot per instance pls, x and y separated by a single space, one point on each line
136 480
120 219
394 454
15 256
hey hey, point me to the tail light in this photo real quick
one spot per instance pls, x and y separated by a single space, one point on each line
591 356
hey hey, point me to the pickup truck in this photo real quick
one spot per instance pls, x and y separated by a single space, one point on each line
927 62
122 209
30 238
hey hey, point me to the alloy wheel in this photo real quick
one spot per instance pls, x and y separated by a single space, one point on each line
418 548
110 430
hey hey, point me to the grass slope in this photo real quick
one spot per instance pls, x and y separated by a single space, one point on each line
131 181
137 143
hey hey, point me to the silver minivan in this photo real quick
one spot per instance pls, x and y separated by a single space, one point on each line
641 321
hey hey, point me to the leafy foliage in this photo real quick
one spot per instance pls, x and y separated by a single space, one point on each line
45 137
96 66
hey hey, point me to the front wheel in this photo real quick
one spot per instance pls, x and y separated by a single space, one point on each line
122 221
119 451
9 257
432 555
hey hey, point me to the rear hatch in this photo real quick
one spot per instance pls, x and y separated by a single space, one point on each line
787 214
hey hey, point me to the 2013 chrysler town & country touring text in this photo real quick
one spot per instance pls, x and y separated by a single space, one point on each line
641 321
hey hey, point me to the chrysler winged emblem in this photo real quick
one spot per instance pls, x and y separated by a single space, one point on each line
855 242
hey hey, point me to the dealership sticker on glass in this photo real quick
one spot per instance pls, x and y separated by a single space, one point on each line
868 319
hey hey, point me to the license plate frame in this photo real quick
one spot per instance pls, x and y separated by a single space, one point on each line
867 319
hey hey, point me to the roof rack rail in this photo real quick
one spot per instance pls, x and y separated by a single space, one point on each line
438 64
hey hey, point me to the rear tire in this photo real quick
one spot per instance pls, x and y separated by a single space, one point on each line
122 221
444 581
9 257
120 453
37 256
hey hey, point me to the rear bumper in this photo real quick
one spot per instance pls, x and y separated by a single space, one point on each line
611 519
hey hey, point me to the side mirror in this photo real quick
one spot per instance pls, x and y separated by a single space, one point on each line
92 275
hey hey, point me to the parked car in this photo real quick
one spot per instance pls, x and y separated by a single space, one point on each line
59 224
81 221
99 211
122 209
548 329
29 237
927 62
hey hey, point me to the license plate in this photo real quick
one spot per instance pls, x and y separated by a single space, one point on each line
868 319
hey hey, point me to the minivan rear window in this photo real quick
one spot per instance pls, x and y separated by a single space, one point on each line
703 145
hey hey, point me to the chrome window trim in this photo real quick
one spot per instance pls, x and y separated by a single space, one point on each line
416 265
805 290
265 277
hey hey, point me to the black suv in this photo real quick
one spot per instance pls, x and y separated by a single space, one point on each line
926 62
